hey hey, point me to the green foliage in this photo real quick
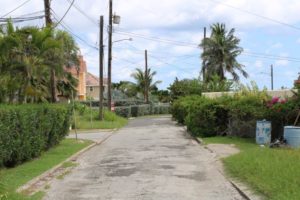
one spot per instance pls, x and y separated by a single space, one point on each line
26 131
123 111
180 107
13 178
163 96
215 84
274 173
244 111
142 110
126 87
145 82
89 119
185 87
206 117
29 56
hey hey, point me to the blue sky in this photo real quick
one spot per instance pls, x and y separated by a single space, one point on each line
171 30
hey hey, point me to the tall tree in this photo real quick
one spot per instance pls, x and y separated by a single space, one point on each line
27 57
145 83
221 52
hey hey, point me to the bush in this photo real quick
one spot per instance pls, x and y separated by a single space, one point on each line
225 115
281 113
243 113
123 111
179 109
27 130
206 117
142 110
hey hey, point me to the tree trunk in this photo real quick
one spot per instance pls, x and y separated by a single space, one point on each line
53 86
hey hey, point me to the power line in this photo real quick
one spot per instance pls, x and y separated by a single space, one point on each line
15 8
83 13
68 29
257 15
266 56
29 14
62 18
21 19
157 39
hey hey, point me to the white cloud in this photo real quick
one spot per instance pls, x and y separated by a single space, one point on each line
281 63
258 64
174 20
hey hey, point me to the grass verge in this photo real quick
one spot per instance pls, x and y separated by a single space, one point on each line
275 173
89 119
11 179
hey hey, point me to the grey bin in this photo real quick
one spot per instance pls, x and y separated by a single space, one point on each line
292 136
263 132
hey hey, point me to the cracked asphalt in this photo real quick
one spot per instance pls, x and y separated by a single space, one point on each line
150 159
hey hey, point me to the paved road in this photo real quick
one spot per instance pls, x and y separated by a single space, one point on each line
150 159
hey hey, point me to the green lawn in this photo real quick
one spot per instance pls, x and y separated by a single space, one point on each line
11 179
90 120
275 173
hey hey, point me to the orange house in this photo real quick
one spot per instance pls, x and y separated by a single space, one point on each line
81 77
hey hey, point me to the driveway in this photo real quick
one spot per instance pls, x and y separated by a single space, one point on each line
150 159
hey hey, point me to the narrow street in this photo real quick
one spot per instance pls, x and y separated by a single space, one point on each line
150 159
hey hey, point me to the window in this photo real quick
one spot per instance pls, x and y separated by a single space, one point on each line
91 89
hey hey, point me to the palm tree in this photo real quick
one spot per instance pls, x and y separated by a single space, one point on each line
33 61
220 54
144 83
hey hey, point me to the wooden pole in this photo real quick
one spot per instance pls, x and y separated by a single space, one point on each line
101 55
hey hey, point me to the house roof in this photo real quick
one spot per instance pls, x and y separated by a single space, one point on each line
92 80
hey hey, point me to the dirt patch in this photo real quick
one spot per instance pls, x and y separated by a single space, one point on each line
223 150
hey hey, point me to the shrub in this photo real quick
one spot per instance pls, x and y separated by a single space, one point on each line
281 113
206 117
123 111
244 111
27 130
142 110
179 109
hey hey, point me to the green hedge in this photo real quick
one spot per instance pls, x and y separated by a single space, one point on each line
180 107
27 130
243 114
235 116
142 110
207 117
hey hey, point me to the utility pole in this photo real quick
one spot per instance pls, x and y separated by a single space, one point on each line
47 13
146 78
110 30
101 55
48 20
203 62
272 78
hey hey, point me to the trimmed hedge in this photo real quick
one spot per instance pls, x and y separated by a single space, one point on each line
235 116
180 107
142 110
27 130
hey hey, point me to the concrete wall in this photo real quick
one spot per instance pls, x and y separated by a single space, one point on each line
277 93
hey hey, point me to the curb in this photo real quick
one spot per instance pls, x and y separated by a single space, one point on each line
236 185
73 158
82 131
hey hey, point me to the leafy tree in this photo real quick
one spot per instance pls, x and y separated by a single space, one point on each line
185 87
145 83
217 85
126 87
220 54
163 95
28 56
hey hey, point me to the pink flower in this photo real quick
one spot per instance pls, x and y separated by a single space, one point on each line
275 100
